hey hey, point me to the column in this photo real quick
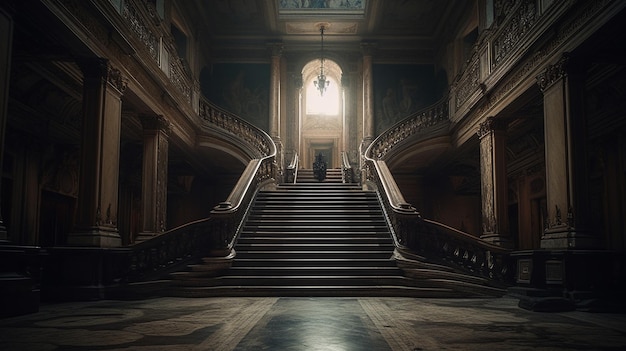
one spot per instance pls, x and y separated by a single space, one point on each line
96 222
154 177
6 44
562 85
276 52
368 95
493 179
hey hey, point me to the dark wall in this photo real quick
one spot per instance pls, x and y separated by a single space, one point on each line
241 88
400 90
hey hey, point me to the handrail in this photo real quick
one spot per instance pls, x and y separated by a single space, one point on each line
411 232
347 172
291 173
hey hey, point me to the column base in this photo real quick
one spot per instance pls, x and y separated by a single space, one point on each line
95 237
498 239
568 238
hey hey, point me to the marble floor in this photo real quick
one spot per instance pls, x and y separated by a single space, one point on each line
334 324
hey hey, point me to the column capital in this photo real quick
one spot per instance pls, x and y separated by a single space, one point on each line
368 47
275 48
155 122
565 66
101 68
491 124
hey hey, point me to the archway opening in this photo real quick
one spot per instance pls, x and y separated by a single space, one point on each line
321 116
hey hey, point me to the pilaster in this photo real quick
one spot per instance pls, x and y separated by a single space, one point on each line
492 134
567 225
154 176
367 49
96 222
276 50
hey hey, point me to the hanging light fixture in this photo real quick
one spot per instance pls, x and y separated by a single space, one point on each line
321 83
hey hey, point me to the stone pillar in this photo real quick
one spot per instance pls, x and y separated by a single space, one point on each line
562 85
276 52
96 222
494 189
6 45
154 177
368 95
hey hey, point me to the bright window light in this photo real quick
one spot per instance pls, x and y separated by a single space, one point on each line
328 104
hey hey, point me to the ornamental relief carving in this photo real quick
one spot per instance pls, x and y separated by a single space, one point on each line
537 58
514 31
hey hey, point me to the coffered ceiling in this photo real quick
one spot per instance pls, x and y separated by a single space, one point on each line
401 29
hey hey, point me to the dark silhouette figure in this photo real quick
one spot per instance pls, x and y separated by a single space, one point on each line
319 167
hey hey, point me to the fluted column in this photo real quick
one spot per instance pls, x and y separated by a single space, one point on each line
493 179
96 222
567 224
6 45
154 176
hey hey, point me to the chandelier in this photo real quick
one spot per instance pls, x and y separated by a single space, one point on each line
321 83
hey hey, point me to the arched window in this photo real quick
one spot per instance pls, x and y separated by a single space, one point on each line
327 104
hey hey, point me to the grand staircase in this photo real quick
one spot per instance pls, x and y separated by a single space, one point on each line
324 238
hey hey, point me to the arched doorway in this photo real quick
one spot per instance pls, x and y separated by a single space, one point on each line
322 117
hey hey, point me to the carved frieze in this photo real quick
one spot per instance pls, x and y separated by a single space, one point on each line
136 23
515 30
468 85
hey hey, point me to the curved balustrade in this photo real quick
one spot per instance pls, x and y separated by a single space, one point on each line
411 232
417 123
253 137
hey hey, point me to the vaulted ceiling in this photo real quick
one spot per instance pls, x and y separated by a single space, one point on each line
408 30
